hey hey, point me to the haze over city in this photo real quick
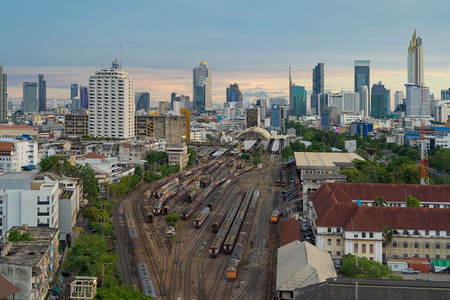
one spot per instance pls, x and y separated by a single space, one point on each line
248 43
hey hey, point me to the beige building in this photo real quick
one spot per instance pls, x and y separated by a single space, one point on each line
32 266
171 128
16 130
178 155
76 125
343 224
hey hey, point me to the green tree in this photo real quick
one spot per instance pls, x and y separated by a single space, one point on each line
16 236
297 146
210 138
192 154
412 201
379 201
245 156
138 171
387 237
171 219
363 268
120 293
441 160
86 255
287 152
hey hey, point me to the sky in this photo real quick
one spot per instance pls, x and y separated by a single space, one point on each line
252 43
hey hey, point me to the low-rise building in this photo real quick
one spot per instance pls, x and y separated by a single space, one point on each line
178 155
18 130
32 266
76 125
198 134
18 154
135 151
105 168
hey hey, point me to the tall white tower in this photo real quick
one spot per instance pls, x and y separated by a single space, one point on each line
111 103
202 88
415 61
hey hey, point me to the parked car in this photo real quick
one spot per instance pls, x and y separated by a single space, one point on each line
410 271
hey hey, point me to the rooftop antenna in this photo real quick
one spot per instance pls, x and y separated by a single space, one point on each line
120 54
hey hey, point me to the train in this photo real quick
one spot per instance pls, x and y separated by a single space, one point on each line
237 223
173 202
148 216
274 217
217 222
200 219
214 249
143 272
239 249
283 178
159 193
205 181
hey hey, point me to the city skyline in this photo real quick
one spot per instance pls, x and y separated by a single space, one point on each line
258 59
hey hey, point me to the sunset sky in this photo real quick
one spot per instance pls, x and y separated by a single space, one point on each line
251 43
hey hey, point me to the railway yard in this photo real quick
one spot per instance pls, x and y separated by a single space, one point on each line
224 245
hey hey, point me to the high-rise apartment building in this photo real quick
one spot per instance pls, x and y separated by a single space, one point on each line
73 91
3 96
172 99
362 74
398 99
299 100
276 119
84 97
42 93
350 102
142 100
202 88
111 103
381 101
318 87
445 94
252 117
417 101
30 100
234 94
364 105
415 61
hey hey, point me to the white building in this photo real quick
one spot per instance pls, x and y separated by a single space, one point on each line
417 101
443 141
15 154
348 117
350 102
364 100
398 98
198 134
442 112
106 168
111 103
28 199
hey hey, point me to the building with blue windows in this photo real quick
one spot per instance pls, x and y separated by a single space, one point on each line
276 116
299 100
360 128
380 101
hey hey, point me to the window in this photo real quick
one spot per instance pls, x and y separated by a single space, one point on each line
394 244
405 232
438 256
371 258
427 232
371 235
438 245
355 248
448 245
416 244
395 256
329 229
405 255
416 255
416 232
329 241
448 257
363 248
338 230
405 245
437 233
338 253
338 242
363 234
427 245
448 231
427 256
371 248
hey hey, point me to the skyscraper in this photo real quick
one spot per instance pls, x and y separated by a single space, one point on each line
415 60
202 88
299 100
234 94
84 97
42 95
445 94
3 96
362 74
398 99
417 101
73 90
275 121
252 117
318 87
364 104
172 99
30 101
381 101
142 101
111 103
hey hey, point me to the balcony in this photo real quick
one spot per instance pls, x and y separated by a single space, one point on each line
43 213
43 202
43 225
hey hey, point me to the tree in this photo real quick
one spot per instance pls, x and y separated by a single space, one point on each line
297 146
120 293
210 138
412 201
379 201
365 268
387 237
245 156
138 171
192 154
287 152
172 219
16 236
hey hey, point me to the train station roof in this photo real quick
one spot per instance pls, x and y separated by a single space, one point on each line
253 133
301 264
324 160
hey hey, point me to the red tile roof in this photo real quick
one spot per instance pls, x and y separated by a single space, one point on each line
94 155
394 192
6 146
7 288
289 232
335 209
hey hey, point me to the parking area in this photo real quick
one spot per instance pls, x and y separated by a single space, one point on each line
425 276
306 233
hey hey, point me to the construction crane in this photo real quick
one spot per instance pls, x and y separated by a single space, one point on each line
424 171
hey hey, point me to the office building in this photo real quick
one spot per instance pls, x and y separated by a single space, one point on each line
183 99
252 117
202 88
362 74
76 125
445 94
277 117
380 101
30 100
171 128
364 105
398 99
111 103
172 98
330 116
42 93
417 101
73 90
142 100
299 100
76 105
323 101
162 107
234 95
442 112
318 87
360 128
350 102
415 61
3 96
84 97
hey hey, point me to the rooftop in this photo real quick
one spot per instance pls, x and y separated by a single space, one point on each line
94 155
289 232
317 160
7 288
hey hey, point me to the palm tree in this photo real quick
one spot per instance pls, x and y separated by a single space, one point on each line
387 236
379 201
